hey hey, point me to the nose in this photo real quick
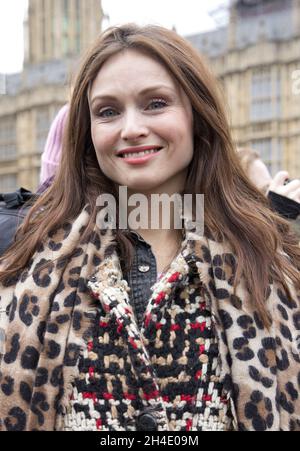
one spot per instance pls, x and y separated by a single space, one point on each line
133 126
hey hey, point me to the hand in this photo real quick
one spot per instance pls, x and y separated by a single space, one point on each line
282 186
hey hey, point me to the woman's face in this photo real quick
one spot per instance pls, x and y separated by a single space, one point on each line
141 124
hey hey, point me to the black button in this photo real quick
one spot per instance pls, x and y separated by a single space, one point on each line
146 422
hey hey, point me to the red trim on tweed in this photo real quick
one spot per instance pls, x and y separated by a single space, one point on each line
132 342
108 396
198 375
206 398
91 371
160 297
99 424
153 395
120 326
166 398
89 395
129 396
103 324
200 326
188 398
90 345
158 325
148 319
201 349
175 327
174 277
189 424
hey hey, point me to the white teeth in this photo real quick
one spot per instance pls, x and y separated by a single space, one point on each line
139 154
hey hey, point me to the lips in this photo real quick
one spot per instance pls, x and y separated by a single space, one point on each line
134 151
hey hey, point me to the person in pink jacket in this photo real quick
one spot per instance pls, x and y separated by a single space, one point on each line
52 151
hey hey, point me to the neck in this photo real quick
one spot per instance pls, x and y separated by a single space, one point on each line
165 245
169 238
161 225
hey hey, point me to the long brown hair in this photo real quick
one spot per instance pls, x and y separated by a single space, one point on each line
235 210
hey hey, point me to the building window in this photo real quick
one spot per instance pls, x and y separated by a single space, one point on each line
277 96
261 95
8 183
66 14
270 152
42 128
276 156
8 139
43 20
65 27
264 148
78 25
265 94
53 26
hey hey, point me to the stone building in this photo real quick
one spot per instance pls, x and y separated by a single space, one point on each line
257 58
56 33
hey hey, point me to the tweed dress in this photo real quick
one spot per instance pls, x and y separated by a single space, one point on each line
174 358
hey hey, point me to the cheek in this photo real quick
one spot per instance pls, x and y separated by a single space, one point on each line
103 142
177 129
95 137
184 138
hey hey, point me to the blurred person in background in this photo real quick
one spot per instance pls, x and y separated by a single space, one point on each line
152 329
283 193
15 206
52 152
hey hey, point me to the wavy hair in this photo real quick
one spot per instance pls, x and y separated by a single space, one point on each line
235 211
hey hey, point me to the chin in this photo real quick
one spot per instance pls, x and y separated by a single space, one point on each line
143 185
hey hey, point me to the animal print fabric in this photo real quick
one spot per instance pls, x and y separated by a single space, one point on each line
72 356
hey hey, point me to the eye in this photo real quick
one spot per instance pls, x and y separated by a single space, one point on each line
157 104
107 113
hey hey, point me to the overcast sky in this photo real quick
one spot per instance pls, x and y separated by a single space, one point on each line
188 16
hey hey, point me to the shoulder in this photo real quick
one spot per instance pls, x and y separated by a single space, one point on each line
10 220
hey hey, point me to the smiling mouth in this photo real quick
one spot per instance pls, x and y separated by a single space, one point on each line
140 154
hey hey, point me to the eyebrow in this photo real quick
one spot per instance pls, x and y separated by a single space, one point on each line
142 92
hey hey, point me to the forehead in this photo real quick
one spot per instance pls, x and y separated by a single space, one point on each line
131 70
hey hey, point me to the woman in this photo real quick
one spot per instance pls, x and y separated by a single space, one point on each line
13 211
216 346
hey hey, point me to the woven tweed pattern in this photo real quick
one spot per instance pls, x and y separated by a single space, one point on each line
172 361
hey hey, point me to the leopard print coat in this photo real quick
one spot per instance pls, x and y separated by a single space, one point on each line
72 356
